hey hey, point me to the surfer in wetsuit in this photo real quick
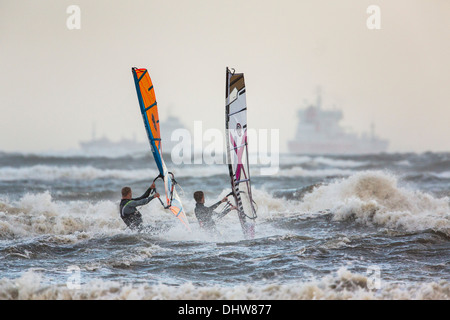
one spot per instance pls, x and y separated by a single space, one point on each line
205 214
128 211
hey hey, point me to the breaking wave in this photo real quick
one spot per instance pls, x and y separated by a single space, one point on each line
374 197
301 172
341 285
38 214
52 173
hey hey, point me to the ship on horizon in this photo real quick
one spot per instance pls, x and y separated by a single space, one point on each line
105 147
319 132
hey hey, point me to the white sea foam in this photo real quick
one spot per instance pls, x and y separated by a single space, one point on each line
340 163
71 221
443 175
336 167
375 197
40 214
37 214
301 172
371 197
288 159
341 285
52 173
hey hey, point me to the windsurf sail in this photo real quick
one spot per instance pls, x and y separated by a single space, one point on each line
149 109
237 150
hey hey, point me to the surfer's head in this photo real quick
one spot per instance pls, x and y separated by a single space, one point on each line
199 197
126 193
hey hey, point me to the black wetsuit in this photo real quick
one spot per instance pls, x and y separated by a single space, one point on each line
205 215
128 211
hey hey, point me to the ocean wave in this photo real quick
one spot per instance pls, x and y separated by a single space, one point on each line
89 173
75 153
301 172
374 197
39 214
267 205
427 176
52 173
124 259
443 175
287 159
71 221
341 285
370 197
340 163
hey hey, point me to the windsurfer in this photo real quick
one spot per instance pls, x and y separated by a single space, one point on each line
205 214
128 211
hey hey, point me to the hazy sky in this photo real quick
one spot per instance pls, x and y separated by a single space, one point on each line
55 83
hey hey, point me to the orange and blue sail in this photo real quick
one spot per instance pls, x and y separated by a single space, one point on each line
149 110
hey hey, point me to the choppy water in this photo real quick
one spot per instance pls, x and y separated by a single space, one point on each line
328 227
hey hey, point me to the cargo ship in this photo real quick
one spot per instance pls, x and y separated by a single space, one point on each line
319 132
106 147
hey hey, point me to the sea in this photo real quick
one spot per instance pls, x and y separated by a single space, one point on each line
328 227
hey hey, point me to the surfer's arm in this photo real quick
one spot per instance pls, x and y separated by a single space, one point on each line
131 206
215 205
146 193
